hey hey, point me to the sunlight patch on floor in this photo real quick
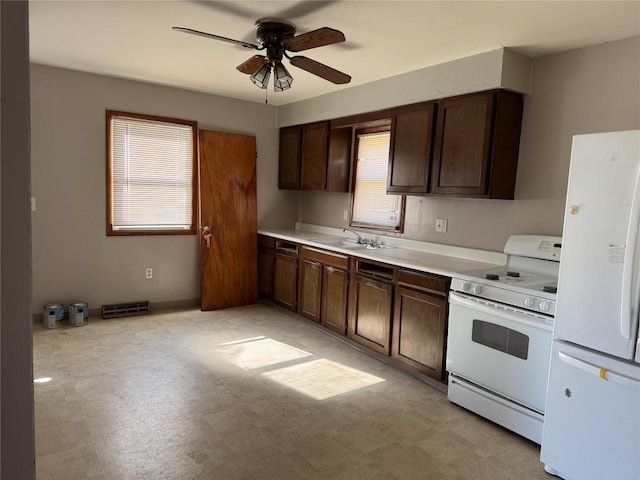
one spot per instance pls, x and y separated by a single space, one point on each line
321 379
259 352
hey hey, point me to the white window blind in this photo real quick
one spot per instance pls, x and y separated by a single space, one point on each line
151 175
371 204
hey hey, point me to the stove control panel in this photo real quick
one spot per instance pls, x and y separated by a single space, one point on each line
528 301
540 304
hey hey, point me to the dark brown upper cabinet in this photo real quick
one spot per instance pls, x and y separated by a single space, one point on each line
313 161
289 165
476 144
314 157
411 148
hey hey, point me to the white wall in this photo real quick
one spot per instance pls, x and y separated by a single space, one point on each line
73 259
471 74
582 91
16 381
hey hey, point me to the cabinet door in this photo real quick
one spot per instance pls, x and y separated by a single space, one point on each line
285 280
265 272
410 156
339 161
334 299
419 331
462 145
309 290
370 322
315 145
290 150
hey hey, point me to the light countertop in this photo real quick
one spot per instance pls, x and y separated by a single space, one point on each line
427 257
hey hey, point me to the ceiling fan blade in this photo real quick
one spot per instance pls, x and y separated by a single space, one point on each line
315 38
319 69
216 37
252 65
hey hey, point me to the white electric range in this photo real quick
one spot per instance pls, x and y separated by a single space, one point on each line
500 334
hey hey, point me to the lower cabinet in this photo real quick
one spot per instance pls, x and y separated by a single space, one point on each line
370 305
265 266
391 310
322 288
335 283
420 322
310 289
285 275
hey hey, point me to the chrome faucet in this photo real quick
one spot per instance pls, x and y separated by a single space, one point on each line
361 240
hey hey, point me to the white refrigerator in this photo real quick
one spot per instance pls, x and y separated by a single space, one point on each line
592 414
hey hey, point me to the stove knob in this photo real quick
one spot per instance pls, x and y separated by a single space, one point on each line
528 302
544 306
466 286
477 289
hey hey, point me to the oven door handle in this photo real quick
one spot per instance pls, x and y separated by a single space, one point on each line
512 314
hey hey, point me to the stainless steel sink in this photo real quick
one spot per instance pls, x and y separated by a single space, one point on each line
347 243
340 243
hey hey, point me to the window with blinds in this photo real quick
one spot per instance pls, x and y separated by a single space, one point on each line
372 207
151 168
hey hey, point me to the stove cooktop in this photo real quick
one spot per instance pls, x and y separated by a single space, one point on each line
528 281
519 280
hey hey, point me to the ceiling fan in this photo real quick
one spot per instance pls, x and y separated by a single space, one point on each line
277 37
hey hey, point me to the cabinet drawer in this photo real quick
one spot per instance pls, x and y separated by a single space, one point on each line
325 257
266 242
287 247
379 271
423 281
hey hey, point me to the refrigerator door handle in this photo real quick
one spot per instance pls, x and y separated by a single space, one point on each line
603 373
628 291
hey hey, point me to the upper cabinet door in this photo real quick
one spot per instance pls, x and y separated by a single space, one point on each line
410 156
339 161
476 145
462 145
290 149
315 147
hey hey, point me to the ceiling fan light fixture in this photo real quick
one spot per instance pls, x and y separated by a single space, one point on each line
261 77
282 78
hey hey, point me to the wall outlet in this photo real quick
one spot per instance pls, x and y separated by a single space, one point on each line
148 273
345 215
441 225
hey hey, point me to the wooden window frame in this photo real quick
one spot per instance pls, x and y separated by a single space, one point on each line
192 230
400 227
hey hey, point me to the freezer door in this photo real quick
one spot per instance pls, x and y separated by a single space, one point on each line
592 416
598 280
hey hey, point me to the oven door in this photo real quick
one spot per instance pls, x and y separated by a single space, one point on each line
505 351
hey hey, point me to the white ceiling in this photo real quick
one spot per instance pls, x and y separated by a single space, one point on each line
133 39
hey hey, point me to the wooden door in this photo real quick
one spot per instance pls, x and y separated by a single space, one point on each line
334 299
339 159
289 161
285 280
461 159
315 146
371 325
411 138
309 289
228 263
419 331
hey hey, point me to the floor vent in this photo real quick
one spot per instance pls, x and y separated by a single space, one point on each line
125 309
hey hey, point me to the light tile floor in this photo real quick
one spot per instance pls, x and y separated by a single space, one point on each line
248 393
